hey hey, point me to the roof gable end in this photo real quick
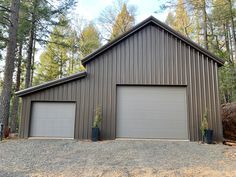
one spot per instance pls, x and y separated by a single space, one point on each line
151 20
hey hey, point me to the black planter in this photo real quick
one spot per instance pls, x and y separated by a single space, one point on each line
208 136
95 134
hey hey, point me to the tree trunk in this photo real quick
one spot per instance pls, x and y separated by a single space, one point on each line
29 58
33 59
226 36
15 104
9 65
211 37
73 60
198 27
61 66
232 28
30 47
205 25
230 44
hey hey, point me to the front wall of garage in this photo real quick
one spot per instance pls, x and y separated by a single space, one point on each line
151 56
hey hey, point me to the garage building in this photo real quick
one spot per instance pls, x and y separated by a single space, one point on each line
151 82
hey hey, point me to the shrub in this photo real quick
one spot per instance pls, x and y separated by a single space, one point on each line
98 117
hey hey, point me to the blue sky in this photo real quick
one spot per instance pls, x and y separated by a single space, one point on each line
91 9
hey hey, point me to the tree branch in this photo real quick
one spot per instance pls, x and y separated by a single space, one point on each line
58 43
4 17
3 39
5 8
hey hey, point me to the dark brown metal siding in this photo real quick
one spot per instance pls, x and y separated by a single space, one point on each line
149 57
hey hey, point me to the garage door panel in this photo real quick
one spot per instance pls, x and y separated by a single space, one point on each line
151 112
52 119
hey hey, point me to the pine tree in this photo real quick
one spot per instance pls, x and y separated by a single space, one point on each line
89 40
48 68
4 23
200 7
15 100
74 64
42 15
22 37
124 21
9 64
60 57
181 20
170 19
111 24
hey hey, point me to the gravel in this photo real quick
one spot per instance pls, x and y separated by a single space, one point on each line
115 158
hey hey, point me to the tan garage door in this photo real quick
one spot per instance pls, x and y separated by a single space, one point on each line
52 119
151 112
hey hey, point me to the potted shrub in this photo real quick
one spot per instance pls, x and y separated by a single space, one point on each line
207 134
96 124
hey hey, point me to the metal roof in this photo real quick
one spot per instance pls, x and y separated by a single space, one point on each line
152 20
51 83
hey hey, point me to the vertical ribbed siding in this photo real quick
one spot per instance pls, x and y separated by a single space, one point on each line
151 56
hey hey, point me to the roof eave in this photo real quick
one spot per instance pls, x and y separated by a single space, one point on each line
50 84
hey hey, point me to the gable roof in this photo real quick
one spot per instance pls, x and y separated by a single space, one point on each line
151 20
51 83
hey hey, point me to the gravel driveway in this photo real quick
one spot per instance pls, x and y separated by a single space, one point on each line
115 158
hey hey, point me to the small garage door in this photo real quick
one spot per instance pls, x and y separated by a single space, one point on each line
151 112
52 119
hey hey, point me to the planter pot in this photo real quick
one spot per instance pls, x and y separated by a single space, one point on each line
95 134
208 136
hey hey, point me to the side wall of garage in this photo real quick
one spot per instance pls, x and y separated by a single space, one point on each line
150 56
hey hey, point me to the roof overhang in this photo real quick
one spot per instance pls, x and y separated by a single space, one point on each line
51 84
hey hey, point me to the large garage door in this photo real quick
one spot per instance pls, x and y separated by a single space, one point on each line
151 112
52 119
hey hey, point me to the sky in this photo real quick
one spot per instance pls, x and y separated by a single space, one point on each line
91 9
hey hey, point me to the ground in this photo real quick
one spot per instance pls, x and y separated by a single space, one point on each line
115 158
